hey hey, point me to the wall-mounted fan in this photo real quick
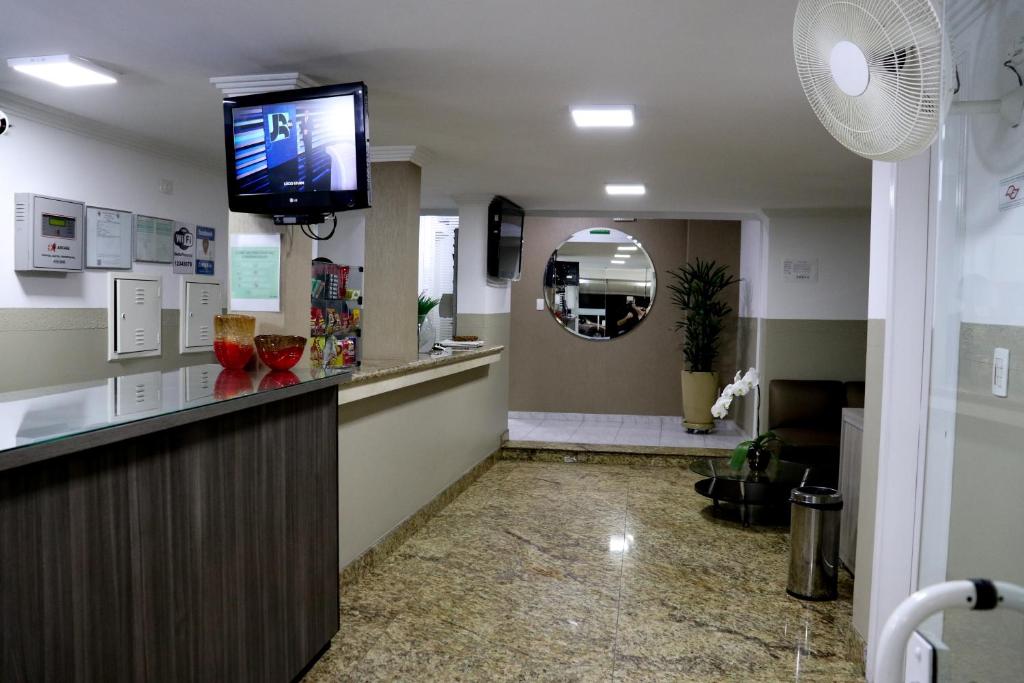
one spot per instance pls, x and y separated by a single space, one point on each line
873 73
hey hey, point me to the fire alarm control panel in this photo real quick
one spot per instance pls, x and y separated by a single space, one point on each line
48 233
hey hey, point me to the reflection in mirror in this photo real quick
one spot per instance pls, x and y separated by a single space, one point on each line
599 284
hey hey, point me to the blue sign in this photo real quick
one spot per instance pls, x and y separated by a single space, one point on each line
205 250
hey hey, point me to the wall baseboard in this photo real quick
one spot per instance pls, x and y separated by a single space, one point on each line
387 544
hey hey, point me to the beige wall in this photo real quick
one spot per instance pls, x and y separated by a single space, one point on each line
553 370
46 346
875 362
401 449
811 349
392 262
985 534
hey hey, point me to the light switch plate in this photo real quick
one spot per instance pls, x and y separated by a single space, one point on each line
134 310
1000 372
540 304
920 660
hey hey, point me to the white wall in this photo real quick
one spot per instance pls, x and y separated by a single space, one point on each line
882 177
752 290
477 292
42 159
839 240
348 246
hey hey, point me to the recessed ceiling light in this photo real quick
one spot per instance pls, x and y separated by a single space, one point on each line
617 189
627 248
605 116
64 70
617 262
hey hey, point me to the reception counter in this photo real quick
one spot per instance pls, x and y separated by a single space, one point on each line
180 525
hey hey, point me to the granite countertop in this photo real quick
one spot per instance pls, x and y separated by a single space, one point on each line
374 370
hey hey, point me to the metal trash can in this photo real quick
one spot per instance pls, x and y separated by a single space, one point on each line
814 543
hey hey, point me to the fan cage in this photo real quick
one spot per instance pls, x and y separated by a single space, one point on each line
898 114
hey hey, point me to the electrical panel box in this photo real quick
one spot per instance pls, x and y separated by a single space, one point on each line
134 316
48 233
201 300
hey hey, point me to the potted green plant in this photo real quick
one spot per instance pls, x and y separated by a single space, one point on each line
425 334
757 453
696 291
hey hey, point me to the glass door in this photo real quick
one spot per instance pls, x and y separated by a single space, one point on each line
973 513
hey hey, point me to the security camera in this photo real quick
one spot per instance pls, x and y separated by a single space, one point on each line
4 123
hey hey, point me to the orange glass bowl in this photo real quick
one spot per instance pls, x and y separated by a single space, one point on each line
233 339
280 351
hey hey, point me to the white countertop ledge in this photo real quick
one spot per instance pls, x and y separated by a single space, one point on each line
379 377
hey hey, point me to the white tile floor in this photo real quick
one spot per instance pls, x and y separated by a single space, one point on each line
618 430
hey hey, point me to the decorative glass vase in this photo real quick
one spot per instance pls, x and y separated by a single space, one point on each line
233 341
425 333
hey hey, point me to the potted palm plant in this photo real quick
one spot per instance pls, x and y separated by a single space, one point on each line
696 291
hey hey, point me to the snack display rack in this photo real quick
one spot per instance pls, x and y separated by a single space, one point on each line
336 316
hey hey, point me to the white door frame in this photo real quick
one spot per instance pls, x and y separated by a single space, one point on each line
905 390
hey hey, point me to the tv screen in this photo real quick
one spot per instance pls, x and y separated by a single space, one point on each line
298 152
504 239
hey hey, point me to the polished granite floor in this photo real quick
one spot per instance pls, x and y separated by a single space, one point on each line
618 430
560 572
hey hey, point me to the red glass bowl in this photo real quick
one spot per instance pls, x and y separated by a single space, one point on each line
280 351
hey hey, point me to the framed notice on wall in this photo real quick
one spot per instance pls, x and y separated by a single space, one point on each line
800 270
153 239
255 265
108 238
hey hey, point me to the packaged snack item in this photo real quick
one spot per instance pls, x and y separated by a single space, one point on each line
316 321
317 348
337 359
348 351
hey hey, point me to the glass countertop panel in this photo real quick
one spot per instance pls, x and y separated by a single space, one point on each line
40 415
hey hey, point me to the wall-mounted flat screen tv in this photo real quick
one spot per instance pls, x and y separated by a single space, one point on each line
504 239
298 152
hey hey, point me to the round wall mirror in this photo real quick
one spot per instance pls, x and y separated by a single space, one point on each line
599 284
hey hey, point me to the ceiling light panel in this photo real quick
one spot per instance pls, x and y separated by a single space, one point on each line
624 189
67 71
627 248
618 263
616 116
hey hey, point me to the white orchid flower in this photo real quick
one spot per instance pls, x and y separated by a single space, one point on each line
751 378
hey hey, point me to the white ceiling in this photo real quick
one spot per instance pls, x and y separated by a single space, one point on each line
485 86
